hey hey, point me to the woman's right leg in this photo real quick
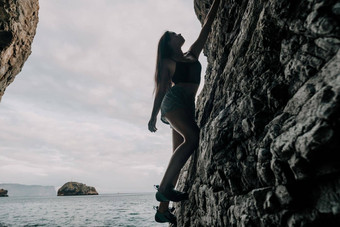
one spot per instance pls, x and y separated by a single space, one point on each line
177 140
186 126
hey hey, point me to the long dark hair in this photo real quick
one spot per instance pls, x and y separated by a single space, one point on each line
163 51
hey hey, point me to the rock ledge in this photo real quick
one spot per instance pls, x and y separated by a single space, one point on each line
18 23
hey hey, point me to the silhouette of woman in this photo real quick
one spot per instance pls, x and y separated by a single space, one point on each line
177 79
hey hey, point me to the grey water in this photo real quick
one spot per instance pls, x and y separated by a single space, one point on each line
128 210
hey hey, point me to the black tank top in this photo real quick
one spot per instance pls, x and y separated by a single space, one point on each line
187 72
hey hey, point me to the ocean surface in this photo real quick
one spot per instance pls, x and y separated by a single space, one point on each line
102 210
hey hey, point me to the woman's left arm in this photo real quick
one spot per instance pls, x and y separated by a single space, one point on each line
198 45
162 87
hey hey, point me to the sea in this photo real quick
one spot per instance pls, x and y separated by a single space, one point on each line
121 209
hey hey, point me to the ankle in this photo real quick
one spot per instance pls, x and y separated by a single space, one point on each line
163 206
164 188
162 210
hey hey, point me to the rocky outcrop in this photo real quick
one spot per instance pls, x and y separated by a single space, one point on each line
269 115
74 188
18 23
3 193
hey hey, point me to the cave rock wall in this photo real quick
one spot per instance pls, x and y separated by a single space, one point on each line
18 23
269 117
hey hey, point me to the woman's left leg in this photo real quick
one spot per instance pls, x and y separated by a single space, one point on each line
185 125
177 140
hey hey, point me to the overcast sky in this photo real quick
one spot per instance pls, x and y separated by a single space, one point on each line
80 107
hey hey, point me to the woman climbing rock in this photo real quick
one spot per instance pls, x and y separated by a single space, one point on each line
177 78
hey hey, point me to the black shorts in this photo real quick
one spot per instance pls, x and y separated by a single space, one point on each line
177 97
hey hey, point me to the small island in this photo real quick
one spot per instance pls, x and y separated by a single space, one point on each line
75 188
3 193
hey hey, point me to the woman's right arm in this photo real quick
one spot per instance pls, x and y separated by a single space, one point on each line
198 45
161 89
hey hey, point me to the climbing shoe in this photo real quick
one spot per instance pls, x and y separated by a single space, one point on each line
170 194
167 216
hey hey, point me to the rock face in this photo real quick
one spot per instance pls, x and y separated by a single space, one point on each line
18 23
269 115
3 193
74 188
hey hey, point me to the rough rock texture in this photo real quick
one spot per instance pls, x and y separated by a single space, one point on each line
3 193
74 188
269 115
18 23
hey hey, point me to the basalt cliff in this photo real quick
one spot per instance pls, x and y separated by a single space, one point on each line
269 115
18 23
